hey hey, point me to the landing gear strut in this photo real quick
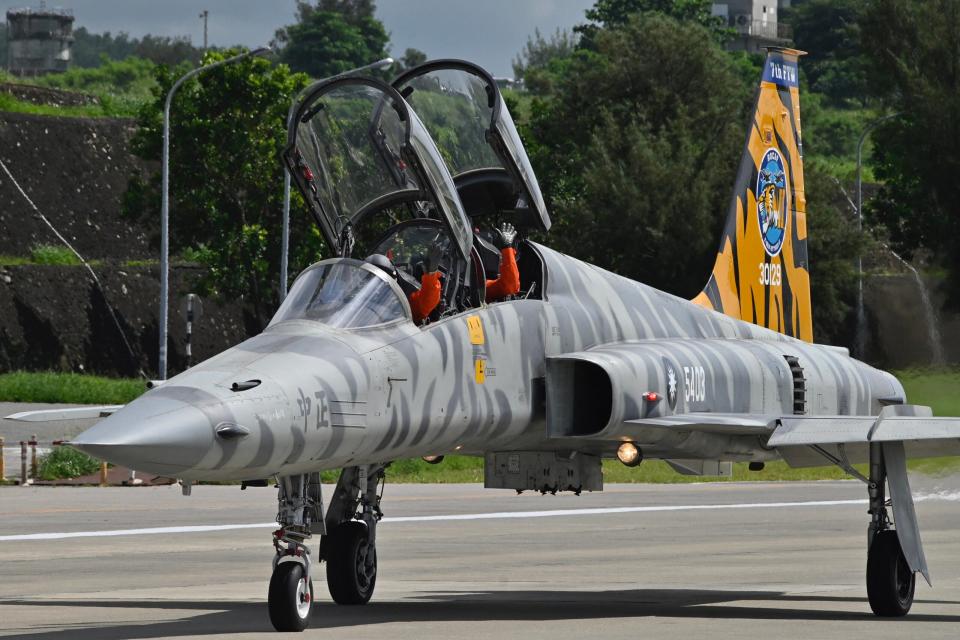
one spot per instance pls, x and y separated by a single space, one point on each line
890 581
290 596
348 543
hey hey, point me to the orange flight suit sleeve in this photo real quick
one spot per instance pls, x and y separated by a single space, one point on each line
424 301
508 283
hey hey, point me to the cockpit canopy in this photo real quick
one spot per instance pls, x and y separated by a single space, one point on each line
345 294
410 162
354 148
463 110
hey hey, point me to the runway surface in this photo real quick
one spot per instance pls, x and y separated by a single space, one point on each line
719 560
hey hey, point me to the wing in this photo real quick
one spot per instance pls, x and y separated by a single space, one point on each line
806 441
76 413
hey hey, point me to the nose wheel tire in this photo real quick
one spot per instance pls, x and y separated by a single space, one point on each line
290 597
890 582
351 564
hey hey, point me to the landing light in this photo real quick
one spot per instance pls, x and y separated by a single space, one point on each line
629 454
433 459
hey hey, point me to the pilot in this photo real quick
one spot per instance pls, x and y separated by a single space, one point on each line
424 300
508 284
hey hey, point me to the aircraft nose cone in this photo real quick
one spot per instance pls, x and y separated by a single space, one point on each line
152 435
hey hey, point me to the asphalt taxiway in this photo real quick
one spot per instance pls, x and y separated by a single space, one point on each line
724 560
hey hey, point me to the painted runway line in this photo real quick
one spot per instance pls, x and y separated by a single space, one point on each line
500 515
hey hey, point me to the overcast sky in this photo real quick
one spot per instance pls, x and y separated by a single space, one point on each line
488 32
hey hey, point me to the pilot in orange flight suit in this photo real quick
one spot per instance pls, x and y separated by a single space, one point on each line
426 299
508 284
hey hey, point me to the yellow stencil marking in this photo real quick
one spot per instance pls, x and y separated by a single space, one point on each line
475 326
480 369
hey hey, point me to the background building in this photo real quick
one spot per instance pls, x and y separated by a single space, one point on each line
38 40
754 22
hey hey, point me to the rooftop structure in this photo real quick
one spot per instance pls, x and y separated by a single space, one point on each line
38 40
754 22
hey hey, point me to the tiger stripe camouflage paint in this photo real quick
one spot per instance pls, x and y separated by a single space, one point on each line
330 398
762 270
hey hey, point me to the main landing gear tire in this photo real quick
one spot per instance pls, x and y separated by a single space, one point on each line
890 582
290 597
350 578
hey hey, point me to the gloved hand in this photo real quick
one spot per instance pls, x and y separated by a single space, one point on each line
434 254
504 236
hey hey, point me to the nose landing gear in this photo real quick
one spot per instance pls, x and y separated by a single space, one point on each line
290 596
348 543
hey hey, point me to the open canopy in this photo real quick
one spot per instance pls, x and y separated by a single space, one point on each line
462 108
354 148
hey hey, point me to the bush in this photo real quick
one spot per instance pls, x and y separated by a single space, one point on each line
66 462
53 254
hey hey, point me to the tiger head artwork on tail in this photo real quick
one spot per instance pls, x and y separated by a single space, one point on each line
761 274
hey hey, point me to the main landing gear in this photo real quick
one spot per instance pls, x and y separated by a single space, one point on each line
894 555
348 543
890 580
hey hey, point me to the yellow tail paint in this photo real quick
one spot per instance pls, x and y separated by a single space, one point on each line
761 274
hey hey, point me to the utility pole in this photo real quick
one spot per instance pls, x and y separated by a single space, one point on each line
204 14
165 200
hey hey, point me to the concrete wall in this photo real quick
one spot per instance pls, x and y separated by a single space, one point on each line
54 318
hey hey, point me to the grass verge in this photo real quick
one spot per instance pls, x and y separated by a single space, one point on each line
67 388
11 104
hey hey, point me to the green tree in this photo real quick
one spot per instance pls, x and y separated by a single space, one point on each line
228 128
543 60
411 58
608 14
833 245
90 49
829 31
914 48
332 36
637 150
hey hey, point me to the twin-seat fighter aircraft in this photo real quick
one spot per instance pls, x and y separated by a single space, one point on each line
578 365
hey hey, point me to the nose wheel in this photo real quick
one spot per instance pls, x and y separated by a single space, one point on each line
290 597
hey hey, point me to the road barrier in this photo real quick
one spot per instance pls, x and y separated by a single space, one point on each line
33 456
24 478
3 469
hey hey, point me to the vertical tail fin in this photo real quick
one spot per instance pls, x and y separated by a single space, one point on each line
761 274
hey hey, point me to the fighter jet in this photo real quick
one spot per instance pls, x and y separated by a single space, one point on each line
577 365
